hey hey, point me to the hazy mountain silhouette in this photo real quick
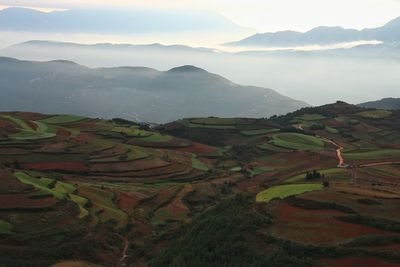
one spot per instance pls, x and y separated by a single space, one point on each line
137 93
323 35
113 21
386 103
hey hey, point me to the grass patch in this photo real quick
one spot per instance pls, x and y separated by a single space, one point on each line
373 154
375 114
284 191
297 141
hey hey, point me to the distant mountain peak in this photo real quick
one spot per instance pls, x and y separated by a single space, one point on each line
187 68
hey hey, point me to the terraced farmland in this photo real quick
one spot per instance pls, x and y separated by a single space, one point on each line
201 191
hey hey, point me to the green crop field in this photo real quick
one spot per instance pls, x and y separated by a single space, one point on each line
27 133
5 227
42 184
214 121
373 154
337 173
297 141
331 130
284 191
132 131
82 203
375 114
270 147
198 164
259 132
312 117
260 170
103 205
63 119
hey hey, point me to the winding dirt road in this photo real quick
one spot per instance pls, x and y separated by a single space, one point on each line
339 154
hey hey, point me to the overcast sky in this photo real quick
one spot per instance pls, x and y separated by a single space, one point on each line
262 15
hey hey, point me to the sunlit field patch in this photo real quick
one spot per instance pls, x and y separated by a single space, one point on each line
284 191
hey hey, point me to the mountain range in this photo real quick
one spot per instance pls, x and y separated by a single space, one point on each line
323 35
112 21
134 93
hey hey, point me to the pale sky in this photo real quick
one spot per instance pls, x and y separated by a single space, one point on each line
262 15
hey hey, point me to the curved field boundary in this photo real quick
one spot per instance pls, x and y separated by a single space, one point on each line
284 191
374 154
297 141
63 119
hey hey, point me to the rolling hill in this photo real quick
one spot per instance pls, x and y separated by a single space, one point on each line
135 93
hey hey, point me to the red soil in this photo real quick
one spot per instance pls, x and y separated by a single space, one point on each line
60 166
32 125
10 184
83 138
128 201
23 201
358 262
59 147
61 132
135 165
176 207
317 226
198 148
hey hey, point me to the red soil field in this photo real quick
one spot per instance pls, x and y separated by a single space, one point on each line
83 138
59 147
13 151
333 123
9 183
358 262
128 201
388 208
60 166
30 116
61 132
316 226
23 201
32 125
176 207
198 148
135 165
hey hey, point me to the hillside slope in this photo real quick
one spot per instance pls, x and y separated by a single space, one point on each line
386 103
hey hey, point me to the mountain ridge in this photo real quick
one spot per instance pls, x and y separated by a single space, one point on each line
141 94
323 35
